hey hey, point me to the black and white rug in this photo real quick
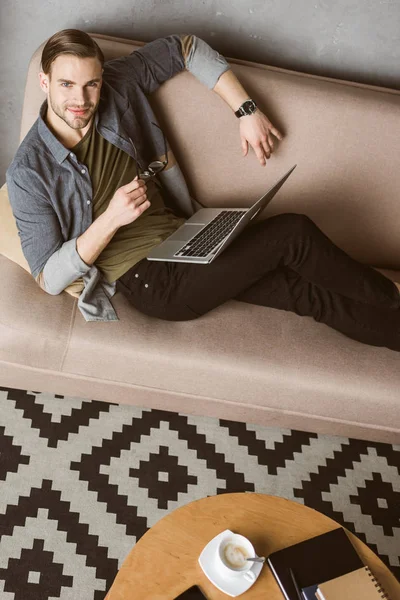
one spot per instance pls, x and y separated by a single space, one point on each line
81 481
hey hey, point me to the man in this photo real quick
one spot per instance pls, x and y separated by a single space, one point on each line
87 219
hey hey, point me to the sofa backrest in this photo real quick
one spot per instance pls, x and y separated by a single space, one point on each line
343 136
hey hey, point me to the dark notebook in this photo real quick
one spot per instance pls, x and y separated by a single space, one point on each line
314 561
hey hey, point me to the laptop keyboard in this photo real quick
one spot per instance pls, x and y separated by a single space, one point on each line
211 235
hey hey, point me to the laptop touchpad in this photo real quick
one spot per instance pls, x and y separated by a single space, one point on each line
185 233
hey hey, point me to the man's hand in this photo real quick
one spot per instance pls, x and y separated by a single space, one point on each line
257 130
128 203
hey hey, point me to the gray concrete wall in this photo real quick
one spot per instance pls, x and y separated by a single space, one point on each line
350 39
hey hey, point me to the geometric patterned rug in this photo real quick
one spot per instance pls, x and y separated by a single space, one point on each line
81 481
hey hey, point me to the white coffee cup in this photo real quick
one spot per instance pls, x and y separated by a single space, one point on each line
231 556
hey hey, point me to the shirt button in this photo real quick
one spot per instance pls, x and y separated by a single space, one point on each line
83 171
146 285
136 275
87 201
72 155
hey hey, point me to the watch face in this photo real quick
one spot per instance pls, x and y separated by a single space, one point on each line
248 107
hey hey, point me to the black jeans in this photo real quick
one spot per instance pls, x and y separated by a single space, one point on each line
284 262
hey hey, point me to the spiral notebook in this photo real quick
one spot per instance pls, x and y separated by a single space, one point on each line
357 584
313 561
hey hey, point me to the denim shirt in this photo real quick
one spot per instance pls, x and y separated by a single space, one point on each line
51 192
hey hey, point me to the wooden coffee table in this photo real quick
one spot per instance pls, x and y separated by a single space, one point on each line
164 562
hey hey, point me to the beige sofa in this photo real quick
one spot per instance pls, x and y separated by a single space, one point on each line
239 362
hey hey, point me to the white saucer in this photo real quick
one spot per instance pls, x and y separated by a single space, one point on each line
233 586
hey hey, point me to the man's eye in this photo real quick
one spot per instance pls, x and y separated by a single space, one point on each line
65 84
94 84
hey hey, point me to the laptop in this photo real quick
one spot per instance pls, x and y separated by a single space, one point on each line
210 230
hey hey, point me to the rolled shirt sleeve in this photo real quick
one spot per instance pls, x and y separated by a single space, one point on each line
160 60
205 63
63 268
40 235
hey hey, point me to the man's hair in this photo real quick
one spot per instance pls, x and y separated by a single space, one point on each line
69 41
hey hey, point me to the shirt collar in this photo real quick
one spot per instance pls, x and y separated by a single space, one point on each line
59 151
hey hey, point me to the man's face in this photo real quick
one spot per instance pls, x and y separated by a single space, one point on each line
73 90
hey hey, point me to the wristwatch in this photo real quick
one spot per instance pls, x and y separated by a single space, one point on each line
247 108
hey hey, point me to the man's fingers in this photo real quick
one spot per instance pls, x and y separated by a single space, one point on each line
260 153
138 183
133 185
142 207
276 133
141 189
139 205
266 148
139 199
245 146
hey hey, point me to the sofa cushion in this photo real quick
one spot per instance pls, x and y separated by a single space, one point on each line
34 326
241 356
10 244
239 362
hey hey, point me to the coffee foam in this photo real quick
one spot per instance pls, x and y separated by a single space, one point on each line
235 555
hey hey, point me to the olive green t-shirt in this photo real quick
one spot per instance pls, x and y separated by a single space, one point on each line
109 169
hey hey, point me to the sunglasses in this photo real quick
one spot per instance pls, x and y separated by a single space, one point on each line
154 167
